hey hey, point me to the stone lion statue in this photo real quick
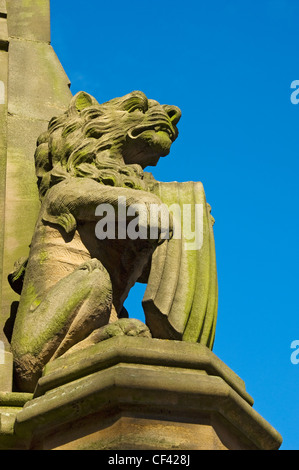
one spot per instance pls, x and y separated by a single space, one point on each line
75 284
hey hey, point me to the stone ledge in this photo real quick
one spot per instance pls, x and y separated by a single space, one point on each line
11 404
15 399
126 349
108 400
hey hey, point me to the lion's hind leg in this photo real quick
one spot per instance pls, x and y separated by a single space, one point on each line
74 307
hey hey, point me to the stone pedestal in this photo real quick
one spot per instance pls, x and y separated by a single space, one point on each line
136 394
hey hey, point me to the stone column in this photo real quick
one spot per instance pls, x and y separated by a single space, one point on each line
36 88
5 355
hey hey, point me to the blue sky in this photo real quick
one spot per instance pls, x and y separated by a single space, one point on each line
229 66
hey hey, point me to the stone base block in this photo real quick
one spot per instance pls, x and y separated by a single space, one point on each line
137 394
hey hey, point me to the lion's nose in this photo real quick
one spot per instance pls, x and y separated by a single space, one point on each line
174 113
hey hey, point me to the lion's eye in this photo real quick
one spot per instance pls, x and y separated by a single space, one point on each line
136 108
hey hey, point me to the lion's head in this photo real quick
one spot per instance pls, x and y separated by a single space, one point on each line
110 142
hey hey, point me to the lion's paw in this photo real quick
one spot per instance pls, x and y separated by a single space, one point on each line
121 327
127 327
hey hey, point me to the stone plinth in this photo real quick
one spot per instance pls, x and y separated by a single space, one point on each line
137 393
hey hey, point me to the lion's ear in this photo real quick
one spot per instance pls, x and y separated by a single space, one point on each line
81 101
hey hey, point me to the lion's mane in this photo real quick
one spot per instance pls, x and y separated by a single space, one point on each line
86 141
